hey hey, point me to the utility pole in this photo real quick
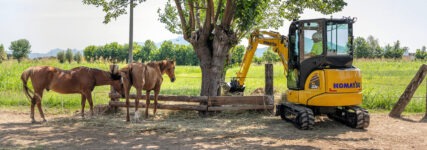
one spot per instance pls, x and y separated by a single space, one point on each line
130 60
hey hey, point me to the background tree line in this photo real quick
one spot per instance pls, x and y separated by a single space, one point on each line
370 48
114 52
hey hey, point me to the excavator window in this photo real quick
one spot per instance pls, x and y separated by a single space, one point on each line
338 39
313 39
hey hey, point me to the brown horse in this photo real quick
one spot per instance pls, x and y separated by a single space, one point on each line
77 80
145 77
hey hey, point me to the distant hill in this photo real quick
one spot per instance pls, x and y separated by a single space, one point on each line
52 52
178 40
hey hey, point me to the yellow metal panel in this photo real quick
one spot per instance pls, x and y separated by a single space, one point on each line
314 85
340 99
292 96
343 80
320 90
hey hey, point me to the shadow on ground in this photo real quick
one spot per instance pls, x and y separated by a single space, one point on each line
178 129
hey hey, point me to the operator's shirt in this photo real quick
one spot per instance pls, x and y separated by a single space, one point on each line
316 49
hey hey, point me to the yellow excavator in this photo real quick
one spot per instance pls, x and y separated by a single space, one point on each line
317 57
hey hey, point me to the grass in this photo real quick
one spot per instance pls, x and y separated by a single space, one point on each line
383 83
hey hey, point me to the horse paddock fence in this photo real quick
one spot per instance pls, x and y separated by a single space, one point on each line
205 103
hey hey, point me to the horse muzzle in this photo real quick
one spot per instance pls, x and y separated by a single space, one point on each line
173 79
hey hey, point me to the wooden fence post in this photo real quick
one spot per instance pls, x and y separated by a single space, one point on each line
115 109
269 91
406 96
425 116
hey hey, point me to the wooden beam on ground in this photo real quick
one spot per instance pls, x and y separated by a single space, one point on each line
162 106
230 100
248 107
406 96
197 99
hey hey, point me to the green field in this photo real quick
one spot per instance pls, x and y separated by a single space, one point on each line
383 83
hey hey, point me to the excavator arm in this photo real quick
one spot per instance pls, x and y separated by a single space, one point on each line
275 40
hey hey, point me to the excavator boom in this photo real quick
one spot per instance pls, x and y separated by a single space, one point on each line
269 38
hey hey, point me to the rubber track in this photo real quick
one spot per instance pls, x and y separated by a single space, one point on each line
305 119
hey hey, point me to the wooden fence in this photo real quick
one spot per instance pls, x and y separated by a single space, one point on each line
207 103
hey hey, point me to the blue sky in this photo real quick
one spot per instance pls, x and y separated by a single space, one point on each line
50 24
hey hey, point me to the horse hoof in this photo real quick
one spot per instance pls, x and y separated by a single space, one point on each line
44 120
33 121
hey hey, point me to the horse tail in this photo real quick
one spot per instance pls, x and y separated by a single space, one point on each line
24 77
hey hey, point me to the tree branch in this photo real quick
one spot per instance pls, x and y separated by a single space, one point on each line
183 21
218 10
198 15
228 13
207 28
192 22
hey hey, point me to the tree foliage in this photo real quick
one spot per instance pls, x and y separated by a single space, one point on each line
270 57
395 51
61 56
241 15
361 48
112 8
237 54
69 56
3 55
21 49
78 57
114 52
421 53
375 49
146 50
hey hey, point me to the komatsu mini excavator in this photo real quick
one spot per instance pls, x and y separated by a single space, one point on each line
317 57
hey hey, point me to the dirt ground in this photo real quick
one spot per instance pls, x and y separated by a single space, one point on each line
186 130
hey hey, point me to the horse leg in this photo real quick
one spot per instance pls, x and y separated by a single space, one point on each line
138 95
156 95
38 96
126 88
33 104
89 98
147 103
83 105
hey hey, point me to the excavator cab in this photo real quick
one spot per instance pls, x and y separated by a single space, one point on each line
318 44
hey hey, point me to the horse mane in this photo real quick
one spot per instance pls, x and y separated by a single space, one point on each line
159 64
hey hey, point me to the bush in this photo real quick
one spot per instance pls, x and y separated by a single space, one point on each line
61 56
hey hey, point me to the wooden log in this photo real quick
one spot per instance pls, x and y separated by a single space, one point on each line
229 100
406 96
162 106
249 107
269 82
168 98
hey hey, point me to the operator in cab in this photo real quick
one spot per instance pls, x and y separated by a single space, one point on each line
317 45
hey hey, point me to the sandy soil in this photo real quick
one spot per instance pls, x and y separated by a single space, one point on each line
186 130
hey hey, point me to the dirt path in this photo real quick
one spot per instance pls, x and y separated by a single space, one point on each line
185 130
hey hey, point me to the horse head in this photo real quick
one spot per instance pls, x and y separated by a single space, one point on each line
169 68
117 83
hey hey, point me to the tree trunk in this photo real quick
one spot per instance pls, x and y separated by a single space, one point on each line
212 54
